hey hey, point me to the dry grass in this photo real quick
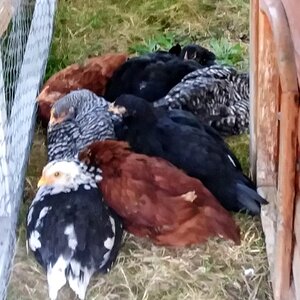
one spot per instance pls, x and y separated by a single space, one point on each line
143 271
215 270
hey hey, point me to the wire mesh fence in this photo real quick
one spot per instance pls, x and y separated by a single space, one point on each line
25 34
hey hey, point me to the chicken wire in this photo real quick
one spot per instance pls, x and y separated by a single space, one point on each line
25 34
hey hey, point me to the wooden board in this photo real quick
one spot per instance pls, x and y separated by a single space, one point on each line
269 223
273 25
289 107
296 264
286 194
296 254
267 106
254 25
292 9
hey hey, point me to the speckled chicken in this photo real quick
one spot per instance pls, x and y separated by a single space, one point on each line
93 75
191 146
71 231
78 119
218 95
157 200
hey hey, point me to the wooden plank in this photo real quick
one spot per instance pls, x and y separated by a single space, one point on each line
296 271
287 147
269 221
287 150
286 193
296 254
297 216
292 8
292 291
6 12
254 25
268 95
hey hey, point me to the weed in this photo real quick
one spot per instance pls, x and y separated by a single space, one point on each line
229 53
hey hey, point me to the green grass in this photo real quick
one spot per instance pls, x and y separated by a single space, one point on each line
92 27
215 270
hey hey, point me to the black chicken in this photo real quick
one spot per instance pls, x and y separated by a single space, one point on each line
151 76
190 145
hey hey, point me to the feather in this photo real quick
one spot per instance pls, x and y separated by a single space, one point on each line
89 120
93 75
191 146
156 199
151 76
71 231
218 95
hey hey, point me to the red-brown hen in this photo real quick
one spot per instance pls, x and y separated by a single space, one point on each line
92 75
156 199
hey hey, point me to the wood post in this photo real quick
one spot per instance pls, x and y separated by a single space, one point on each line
254 25
289 107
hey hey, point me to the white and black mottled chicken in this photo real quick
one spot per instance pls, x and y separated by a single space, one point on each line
218 95
78 119
70 229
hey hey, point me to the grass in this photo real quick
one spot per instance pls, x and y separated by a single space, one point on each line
215 270
92 27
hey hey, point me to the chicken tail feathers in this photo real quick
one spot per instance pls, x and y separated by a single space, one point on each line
249 200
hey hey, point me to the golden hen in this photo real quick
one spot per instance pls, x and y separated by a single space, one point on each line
156 199
93 75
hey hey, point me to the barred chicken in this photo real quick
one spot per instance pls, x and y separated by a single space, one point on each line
78 119
218 95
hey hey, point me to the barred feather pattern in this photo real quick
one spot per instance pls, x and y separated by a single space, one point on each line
90 122
219 95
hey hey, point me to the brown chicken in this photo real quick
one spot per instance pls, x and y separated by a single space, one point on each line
157 200
93 75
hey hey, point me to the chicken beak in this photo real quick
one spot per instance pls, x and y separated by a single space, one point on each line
117 110
42 181
54 120
186 56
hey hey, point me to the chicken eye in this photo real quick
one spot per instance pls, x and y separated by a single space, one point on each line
56 174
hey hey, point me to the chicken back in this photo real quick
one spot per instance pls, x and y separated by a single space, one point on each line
156 199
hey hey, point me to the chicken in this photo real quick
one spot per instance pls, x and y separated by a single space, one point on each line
219 95
200 54
93 75
192 147
157 200
70 229
150 76
193 52
76 120
186 118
